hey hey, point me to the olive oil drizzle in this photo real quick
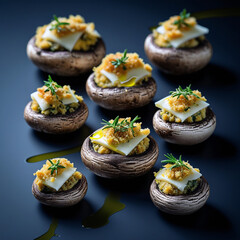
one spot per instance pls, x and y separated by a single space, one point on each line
100 218
213 13
45 156
50 232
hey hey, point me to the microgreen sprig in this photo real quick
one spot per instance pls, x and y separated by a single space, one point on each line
176 162
55 166
51 85
183 16
122 126
185 92
121 60
58 24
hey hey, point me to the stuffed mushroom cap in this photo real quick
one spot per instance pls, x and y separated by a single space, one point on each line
65 63
178 61
123 98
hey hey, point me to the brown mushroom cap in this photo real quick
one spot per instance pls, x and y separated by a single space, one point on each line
116 165
185 133
56 124
121 98
178 61
64 198
181 204
65 63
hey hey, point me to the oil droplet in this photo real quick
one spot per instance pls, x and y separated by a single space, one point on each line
50 232
45 156
227 12
100 218
129 83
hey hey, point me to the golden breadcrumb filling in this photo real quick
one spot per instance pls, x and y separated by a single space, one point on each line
132 62
117 137
181 104
173 32
169 117
55 101
76 24
45 174
177 174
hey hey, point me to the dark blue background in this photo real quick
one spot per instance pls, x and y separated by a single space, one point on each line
122 24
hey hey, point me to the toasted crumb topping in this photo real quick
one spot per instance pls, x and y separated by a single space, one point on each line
181 104
76 24
132 62
178 174
45 173
172 32
117 137
55 101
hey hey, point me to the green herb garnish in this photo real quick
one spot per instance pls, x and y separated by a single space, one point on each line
176 162
55 166
51 85
185 92
121 60
58 24
183 16
122 126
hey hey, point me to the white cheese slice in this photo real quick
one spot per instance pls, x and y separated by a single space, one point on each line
179 184
41 102
195 32
67 42
137 73
123 148
71 99
60 179
199 105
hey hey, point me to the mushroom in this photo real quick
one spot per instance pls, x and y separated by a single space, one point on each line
64 198
178 61
56 124
66 63
185 133
116 165
121 98
181 204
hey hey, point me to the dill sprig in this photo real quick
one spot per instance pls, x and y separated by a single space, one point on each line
184 92
176 162
183 16
51 85
122 126
55 166
58 24
121 60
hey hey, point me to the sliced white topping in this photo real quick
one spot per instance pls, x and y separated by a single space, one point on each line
71 99
137 73
123 148
195 32
67 42
199 105
60 179
178 184
41 102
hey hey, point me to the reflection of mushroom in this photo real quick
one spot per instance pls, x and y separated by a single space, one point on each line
121 98
185 133
181 204
56 124
116 165
63 198
178 61
65 63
